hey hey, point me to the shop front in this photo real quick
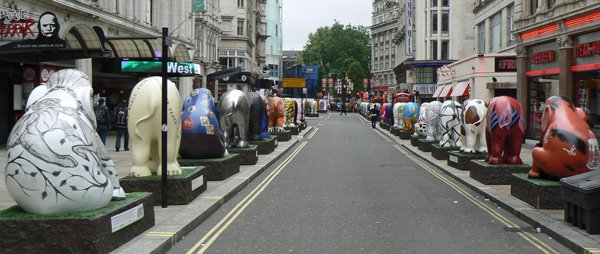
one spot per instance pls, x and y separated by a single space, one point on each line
586 75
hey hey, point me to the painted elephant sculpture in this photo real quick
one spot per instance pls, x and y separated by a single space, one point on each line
276 113
450 113
56 161
411 116
313 107
433 121
255 120
234 110
144 125
383 112
504 131
567 145
421 125
389 112
265 122
290 112
298 118
396 114
473 124
201 134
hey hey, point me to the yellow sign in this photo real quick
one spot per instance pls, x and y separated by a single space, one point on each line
294 82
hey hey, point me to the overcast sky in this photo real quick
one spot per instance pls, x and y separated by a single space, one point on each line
301 17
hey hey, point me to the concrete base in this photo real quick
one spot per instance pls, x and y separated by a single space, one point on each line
303 125
541 194
247 156
266 146
312 115
294 130
414 140
181 190
282 136
216 169
495 174
462 161
404 135
77 234
441 153
322 111
394 131
425 145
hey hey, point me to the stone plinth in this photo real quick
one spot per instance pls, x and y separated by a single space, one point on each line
462 161
414 140
425 145
95 231
266 146
181 189
312 115
495 174
541 194
216 169
441 153
282 136
247 155
404 135
394 131
294 130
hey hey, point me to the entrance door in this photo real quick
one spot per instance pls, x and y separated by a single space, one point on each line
505 92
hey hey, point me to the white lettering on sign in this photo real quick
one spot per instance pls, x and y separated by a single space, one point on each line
409 34
173 67
453 158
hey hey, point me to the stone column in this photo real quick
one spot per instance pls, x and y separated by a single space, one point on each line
565 57
523 84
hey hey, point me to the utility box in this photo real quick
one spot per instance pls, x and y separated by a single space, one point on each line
581 194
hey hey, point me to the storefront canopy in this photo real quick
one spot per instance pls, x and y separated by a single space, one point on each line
446 92
437 92
461 89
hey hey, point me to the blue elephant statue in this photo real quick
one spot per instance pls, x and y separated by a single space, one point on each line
411 116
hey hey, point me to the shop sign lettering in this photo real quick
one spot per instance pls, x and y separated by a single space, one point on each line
543 57
14 23
506 64
586 49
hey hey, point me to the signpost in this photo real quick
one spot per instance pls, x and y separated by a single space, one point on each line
164 57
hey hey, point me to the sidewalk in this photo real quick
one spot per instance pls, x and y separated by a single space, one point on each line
550 221
175 221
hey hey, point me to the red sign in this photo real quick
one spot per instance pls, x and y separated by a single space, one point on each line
366 81
29 73
330 81
188 124
543 57
46 73
324 81
586 49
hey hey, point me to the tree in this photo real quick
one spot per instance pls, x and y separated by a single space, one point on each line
339 48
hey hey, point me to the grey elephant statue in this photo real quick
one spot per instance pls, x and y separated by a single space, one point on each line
234 111
56 161
433 121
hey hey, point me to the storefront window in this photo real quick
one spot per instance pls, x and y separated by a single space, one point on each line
539 92
587 87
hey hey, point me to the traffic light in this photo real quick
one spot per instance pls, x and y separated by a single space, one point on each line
324 89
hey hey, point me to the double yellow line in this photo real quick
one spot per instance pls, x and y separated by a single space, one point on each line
527 236
313 133
231 216
388 139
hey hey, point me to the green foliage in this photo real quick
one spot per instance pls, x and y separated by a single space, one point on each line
340 48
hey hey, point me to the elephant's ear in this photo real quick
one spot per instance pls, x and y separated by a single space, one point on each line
546 117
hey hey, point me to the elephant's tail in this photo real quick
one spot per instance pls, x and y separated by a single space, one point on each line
152 110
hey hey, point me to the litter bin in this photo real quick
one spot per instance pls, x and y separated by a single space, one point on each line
581 194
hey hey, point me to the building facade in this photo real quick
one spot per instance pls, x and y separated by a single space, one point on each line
433 33
274 44
383 50
491 70
207 37
558 53
96 37
242 44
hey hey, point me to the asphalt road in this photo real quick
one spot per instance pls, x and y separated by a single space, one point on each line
346 188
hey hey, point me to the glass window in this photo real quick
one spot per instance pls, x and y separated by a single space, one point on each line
445 3
551 3
434 23
445 23
434 3
434 50
511 25
445 50
481 38
426 75
240 3
240 27
496 32
533 4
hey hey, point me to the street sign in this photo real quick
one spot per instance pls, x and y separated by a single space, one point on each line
180 68
294 82
304 90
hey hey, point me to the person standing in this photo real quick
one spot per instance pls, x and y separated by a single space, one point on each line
122 117
102 119
374 115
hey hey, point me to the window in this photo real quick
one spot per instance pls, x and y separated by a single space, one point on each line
445 50
434 50
511 25
240 3
434 23
445 3
434 3
273 70
496 32
276 30
426 75
481 37
240 27
533 4
551 3
445 23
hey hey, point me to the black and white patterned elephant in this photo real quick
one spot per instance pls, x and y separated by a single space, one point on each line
234 111
56 160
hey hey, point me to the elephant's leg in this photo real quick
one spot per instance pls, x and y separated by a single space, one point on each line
173 167
537 155
242 129
140 152
481 144
513 149
227 136
488 139
499 140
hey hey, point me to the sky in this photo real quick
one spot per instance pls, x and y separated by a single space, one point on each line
301 17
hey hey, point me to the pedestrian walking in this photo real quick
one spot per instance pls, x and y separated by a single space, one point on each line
122 117
374 115
102 119
343 109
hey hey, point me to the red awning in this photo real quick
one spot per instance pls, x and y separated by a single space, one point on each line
437 92
446 92
461 89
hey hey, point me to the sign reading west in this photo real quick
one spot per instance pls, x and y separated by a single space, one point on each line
156 67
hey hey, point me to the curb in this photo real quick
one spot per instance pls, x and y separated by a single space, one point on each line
563 233
162 237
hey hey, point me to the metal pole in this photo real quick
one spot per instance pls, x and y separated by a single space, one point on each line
165 55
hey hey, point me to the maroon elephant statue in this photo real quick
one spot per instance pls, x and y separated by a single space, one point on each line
504 131
565 140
